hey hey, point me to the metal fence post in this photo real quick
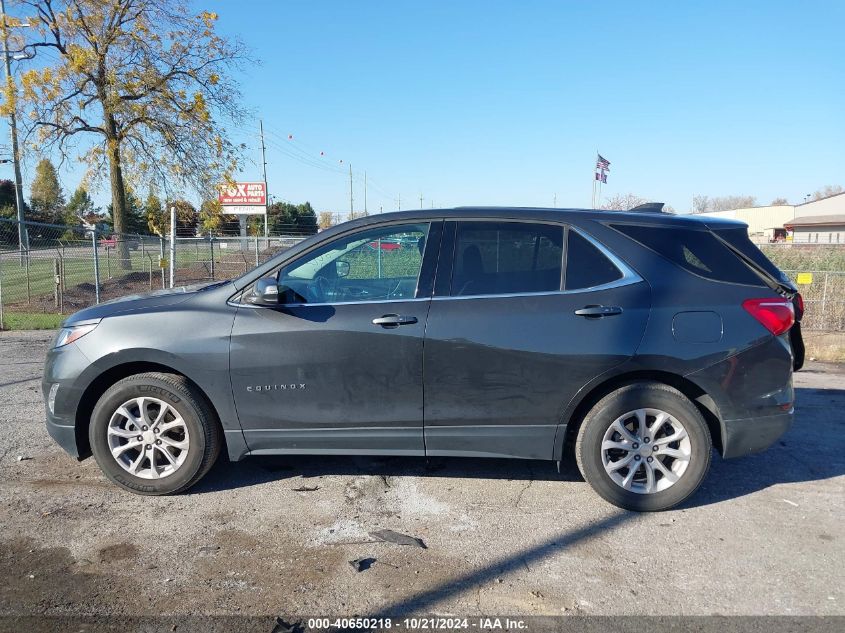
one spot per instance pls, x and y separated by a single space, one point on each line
56 282
211 244
96 266
1 292
161 259
28 286
256 251
824 294
108 263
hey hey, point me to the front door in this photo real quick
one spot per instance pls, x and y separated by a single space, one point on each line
336 366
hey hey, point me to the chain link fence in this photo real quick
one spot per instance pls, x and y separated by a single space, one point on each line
67 268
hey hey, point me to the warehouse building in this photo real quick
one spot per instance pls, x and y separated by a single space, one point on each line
817 222
817 229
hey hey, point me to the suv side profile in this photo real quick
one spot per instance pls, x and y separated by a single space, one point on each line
638 341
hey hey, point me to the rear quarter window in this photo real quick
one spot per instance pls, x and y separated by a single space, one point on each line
698 251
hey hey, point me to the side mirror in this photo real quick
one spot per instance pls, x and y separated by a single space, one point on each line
341 267
266 292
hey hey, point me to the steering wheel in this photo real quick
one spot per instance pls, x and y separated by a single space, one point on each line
318 290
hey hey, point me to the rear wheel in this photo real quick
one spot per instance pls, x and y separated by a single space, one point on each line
154 434
644 447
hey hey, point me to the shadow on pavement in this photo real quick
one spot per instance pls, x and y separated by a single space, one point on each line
813 449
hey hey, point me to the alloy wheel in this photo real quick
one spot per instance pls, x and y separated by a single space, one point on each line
646 451
148 438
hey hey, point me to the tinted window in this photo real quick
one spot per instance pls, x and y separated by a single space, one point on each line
507 257
699 252
586 265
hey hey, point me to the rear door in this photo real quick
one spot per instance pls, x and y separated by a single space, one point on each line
524 315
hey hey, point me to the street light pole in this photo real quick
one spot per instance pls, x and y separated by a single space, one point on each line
23 238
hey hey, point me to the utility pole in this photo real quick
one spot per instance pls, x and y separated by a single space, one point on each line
421 201
399 202
264 171
351 199
23 237
365 193
555 202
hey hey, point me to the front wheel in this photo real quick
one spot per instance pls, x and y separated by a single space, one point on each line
644 447
154 434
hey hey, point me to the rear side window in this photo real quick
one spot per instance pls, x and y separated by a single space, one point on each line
699 252
507 258
586 265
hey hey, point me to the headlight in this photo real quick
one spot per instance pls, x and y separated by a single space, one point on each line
73 333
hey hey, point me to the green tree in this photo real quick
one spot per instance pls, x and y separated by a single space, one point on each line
7 193
136 218
285 218
46 198
79 207
146 81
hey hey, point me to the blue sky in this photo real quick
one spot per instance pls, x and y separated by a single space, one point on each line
467 102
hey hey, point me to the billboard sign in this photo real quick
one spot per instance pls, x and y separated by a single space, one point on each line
244 194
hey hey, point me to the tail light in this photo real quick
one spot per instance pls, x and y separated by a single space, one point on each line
776 315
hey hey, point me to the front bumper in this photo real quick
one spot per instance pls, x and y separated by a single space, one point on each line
63 368
752 435
65 436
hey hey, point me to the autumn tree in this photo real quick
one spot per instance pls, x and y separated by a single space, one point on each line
157 215
140 88
46 198
325 220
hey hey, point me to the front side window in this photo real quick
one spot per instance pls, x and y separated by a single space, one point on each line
506 258
378 264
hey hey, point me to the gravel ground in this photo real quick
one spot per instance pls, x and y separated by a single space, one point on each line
764 536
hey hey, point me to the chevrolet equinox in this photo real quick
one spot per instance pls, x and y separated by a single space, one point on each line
637 341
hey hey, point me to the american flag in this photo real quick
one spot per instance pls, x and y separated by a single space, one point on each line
602 163
601 176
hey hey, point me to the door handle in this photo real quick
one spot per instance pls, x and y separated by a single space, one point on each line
597 312
394 320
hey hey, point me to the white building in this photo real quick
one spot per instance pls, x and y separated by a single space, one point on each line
818 222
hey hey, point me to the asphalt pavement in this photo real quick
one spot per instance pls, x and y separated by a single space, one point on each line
275 536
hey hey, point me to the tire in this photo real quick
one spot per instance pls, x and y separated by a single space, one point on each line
187 430
685 461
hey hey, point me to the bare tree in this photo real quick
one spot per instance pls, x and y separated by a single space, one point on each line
827 191
700 204
728 203
780 202
623 202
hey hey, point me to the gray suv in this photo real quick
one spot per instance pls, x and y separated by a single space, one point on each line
636 340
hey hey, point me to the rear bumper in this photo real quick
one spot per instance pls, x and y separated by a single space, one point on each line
752 435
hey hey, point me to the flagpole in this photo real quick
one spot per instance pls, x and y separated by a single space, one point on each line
594 182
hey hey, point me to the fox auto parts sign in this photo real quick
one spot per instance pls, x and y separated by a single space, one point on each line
244 197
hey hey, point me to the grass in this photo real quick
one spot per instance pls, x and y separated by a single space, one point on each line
806 258
24 321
